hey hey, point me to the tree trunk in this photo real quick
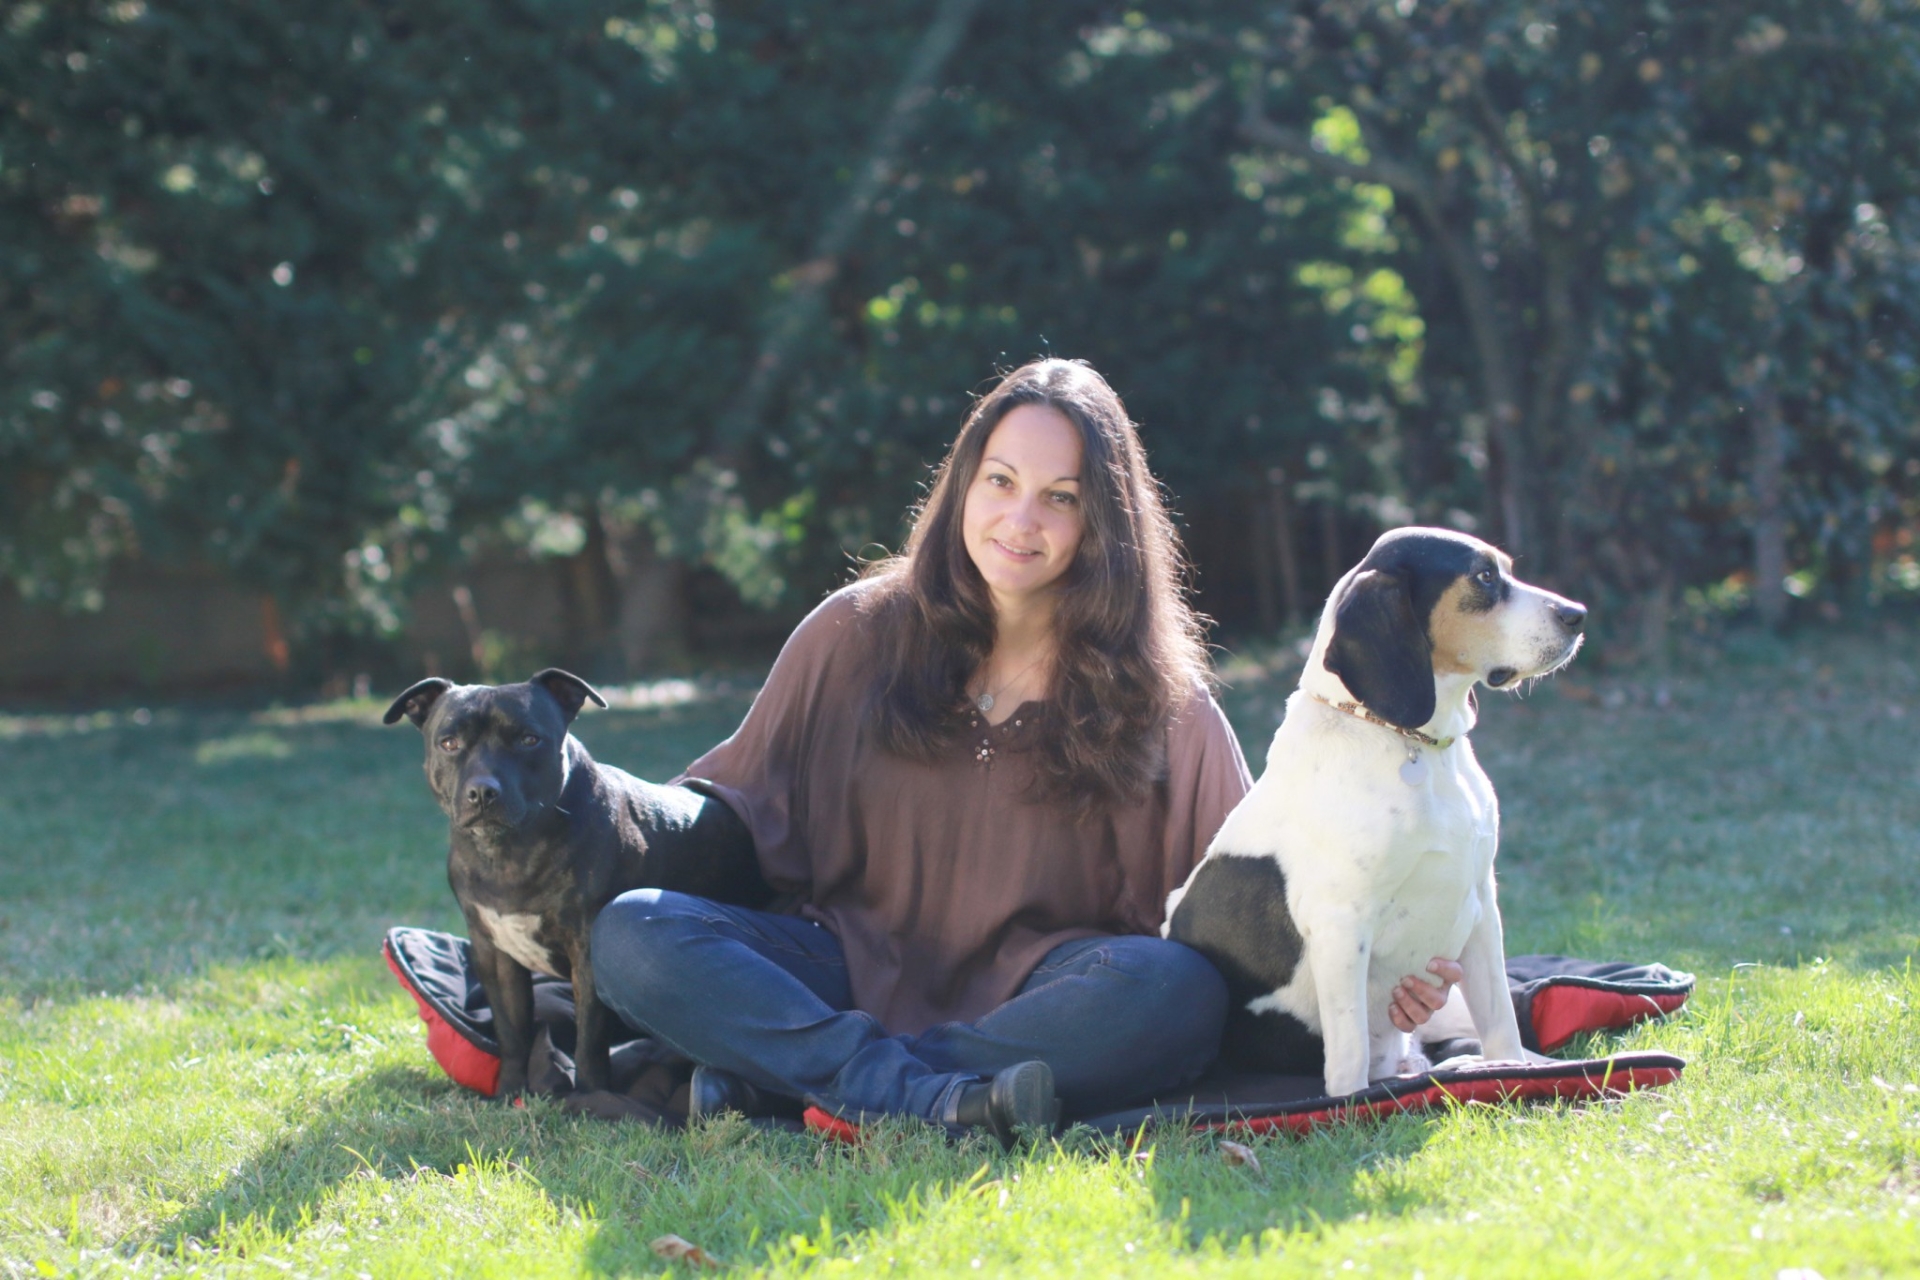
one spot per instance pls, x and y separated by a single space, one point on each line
1768 480
1547 414
591 601
1283 545
476 636
650 630
1500 384
1263 570
1656 622
1330 541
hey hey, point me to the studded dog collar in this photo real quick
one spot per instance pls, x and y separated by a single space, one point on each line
1360 712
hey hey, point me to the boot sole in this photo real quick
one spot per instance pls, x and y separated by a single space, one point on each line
1023 1096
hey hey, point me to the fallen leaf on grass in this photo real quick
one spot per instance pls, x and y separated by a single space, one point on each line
1236 1154
675 1249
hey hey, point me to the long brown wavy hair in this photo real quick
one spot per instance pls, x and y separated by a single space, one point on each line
1128 646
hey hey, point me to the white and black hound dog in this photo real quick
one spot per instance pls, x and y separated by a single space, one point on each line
1366 847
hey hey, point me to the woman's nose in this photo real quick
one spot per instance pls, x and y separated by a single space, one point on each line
1024 514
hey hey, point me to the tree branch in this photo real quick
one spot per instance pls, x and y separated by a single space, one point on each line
1499 382
1496 130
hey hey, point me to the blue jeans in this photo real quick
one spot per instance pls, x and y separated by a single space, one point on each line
766 997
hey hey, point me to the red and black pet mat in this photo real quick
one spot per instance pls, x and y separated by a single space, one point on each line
1557 998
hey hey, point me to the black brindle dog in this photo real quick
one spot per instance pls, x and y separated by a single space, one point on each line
542 838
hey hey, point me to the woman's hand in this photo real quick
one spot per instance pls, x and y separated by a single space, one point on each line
1415 999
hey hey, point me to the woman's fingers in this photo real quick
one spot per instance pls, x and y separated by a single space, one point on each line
1450 974
1403 1010
1415 999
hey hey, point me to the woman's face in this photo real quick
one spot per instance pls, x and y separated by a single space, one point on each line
1022 519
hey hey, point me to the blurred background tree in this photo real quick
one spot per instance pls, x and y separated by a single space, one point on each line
339 296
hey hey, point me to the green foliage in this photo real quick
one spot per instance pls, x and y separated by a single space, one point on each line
1638 222
326 293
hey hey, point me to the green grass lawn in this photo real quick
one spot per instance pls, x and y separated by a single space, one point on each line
204 1066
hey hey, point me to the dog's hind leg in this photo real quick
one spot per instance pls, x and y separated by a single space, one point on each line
592 1026
1395 1053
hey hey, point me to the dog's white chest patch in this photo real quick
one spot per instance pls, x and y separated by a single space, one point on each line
517 935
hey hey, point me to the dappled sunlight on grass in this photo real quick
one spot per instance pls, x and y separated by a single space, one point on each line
242 746
204 1066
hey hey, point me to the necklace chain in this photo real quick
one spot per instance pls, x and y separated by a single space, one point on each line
985 702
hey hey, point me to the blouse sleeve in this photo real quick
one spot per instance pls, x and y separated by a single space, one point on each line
760 771
1206 778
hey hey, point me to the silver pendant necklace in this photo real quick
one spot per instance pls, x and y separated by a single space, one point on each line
986 699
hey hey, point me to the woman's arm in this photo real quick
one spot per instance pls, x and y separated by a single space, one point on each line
1206 777
760 770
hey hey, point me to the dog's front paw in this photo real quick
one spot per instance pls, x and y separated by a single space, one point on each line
603 1105
1341 1087
1412 1063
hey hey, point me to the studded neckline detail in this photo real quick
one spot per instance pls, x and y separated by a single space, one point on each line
984 749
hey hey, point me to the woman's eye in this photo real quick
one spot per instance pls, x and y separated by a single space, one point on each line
1065 499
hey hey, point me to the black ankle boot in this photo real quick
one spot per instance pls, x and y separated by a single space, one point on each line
1017 1097
713 1091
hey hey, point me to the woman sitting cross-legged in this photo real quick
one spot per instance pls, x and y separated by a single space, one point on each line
981 768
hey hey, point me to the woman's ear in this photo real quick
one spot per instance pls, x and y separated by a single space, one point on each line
1381 651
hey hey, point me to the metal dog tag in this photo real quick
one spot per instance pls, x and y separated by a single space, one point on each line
1414 772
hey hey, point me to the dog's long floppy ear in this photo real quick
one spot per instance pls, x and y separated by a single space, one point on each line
417 702
1381 651
569 690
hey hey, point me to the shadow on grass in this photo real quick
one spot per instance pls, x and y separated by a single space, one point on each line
740 1192
1302 1184
394 1122
398 1131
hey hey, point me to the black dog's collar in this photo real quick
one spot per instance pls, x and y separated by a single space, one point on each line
1360 712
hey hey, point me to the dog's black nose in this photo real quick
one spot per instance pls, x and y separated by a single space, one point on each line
1572 616
482 792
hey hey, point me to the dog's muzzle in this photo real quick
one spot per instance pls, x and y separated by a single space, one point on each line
482 804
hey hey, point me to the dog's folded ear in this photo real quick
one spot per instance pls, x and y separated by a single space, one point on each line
1381 651
417 702
569 690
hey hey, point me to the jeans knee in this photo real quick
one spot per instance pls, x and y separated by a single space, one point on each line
1180 995
634 941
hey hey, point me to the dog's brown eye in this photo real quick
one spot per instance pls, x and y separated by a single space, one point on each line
1485 577
530 740
449 743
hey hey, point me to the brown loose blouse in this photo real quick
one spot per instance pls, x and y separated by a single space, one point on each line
944 882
